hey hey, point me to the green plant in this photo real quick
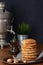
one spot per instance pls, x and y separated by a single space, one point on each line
23 28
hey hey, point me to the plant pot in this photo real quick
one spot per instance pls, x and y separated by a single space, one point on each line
20 38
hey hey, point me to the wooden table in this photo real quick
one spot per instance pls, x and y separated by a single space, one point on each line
5 52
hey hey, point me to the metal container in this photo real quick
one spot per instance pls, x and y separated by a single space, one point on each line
2 6
20 38
5 18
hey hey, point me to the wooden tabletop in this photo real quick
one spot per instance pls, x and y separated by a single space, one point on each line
5 52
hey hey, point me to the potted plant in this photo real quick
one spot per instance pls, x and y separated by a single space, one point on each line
23 31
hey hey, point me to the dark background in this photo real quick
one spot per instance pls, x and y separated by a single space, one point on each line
29 11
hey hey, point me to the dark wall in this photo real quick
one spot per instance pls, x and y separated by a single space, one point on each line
29 11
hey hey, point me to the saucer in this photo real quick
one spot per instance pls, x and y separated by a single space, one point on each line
27 62
37 60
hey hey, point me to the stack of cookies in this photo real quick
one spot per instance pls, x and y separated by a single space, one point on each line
29 49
